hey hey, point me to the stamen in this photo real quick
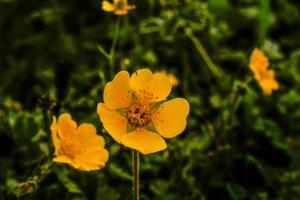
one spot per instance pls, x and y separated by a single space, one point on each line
140 111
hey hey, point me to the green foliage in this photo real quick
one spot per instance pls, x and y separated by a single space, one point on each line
57 56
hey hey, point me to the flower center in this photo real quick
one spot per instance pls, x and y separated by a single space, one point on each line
140 111
139 114
120 4
70 148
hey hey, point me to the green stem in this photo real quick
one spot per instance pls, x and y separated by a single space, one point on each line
32 182
46 126
45 118
136 174
59 24
263 20
201 50
113 46
236 95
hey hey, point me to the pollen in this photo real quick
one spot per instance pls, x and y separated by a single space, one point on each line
140 111
138 114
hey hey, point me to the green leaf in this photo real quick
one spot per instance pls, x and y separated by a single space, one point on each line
119 172
68 183
103 51
263 20
235 191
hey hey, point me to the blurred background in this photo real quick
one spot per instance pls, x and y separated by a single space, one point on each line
239 144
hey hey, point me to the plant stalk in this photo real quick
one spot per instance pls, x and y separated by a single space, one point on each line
201 50
136 174
113 46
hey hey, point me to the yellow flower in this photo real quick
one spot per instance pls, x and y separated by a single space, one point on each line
268 82
119 7
136 114
80 147
259 64
173 80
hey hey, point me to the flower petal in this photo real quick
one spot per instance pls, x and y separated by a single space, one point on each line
170 118
130 7
113 122
66 159
258 61
121 11
269 74
172 78
144 141
66 126
156 84
121 2
92 159
107 6
160 86
86 134
117 92
268 85
54 136
140 79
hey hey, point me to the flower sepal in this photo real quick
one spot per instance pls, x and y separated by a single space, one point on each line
130 128
150 127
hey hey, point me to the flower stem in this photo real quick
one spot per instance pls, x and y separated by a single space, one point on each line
136 174
113 46
59 24
46 122
31 184
215 70
238 92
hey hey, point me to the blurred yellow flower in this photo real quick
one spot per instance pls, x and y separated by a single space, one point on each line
172 78
136 114
268 82
259 64
80 147
119 7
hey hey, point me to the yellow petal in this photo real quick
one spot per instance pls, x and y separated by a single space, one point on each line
107 6
269 74
172 78
66 159
130 7
113 122
257 74
54 136
144 141
121 2
159 86
140 79
92 159
86 134
66 126
268 82
268 85
170 118
156 84
121 7
258 61
117 92
121 11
